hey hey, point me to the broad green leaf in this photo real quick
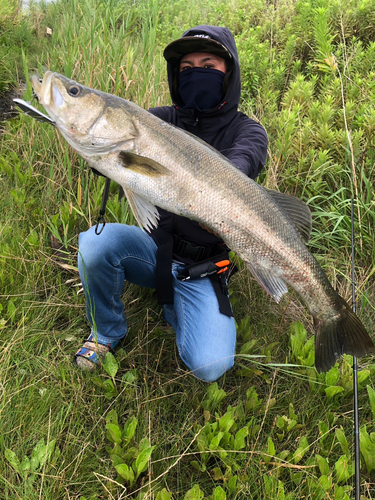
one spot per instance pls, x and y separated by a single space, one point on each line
130 377
297 338
226 421
325 482
323 465
308 348
363 376
232 485
129 428
116 459
333 376
248 347
270 451
344 469
25 464
217 474
144 443
281 423
280 491
38 455
292 415
270 447
340 435
112 417
195 493
333 391
110 364
371 395
214 394
141 462
164 495
239 439
202 441
291 424
301 450
283 455
110 389
215 441
339 493
323 430
114 433
219 494
11 308
367 448
270 485
49 451
299 331
252 400
12 459
125 472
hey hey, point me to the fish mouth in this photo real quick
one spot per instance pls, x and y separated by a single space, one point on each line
52 100
48 94
83 140
42 87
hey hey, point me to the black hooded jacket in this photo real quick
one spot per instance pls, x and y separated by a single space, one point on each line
242 140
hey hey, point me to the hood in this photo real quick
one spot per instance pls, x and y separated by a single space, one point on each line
225 38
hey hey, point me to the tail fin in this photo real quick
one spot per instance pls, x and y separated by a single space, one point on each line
343 333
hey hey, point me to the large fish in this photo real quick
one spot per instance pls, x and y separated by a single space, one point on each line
158 164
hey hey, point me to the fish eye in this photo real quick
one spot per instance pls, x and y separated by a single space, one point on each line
74 91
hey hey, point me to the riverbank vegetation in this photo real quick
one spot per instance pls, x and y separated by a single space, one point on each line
142 427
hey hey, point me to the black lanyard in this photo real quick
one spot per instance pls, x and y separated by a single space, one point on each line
102 208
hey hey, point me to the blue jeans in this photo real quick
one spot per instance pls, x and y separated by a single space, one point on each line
205 338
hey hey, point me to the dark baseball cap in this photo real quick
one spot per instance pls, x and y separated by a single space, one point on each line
197 43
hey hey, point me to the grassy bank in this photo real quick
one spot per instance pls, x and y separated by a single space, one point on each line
271 428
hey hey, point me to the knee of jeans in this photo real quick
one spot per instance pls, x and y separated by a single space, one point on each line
211 371
90 250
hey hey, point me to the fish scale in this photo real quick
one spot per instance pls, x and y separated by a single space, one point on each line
160 165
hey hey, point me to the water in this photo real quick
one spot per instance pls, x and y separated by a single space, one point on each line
26 3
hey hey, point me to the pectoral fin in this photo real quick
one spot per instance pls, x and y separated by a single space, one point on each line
297 211
272 285
146 213
142 165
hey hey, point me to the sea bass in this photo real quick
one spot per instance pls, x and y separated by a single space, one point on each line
160 165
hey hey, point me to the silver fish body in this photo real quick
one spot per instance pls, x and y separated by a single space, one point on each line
158 164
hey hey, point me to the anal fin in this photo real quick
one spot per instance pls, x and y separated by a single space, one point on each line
273 285
146 213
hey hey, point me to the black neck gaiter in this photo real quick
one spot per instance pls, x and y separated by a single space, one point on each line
201 88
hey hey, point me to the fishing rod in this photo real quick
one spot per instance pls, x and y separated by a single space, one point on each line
357 456
357 449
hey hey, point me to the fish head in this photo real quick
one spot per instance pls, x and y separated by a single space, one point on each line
92 121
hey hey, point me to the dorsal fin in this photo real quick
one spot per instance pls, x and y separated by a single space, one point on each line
298 212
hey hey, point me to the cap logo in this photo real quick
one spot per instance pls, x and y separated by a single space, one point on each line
202 36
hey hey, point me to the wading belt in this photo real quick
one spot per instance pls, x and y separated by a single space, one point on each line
209 262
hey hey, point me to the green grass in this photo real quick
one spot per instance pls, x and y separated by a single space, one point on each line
271 428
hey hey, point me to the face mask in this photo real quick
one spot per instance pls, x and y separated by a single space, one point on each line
201 88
